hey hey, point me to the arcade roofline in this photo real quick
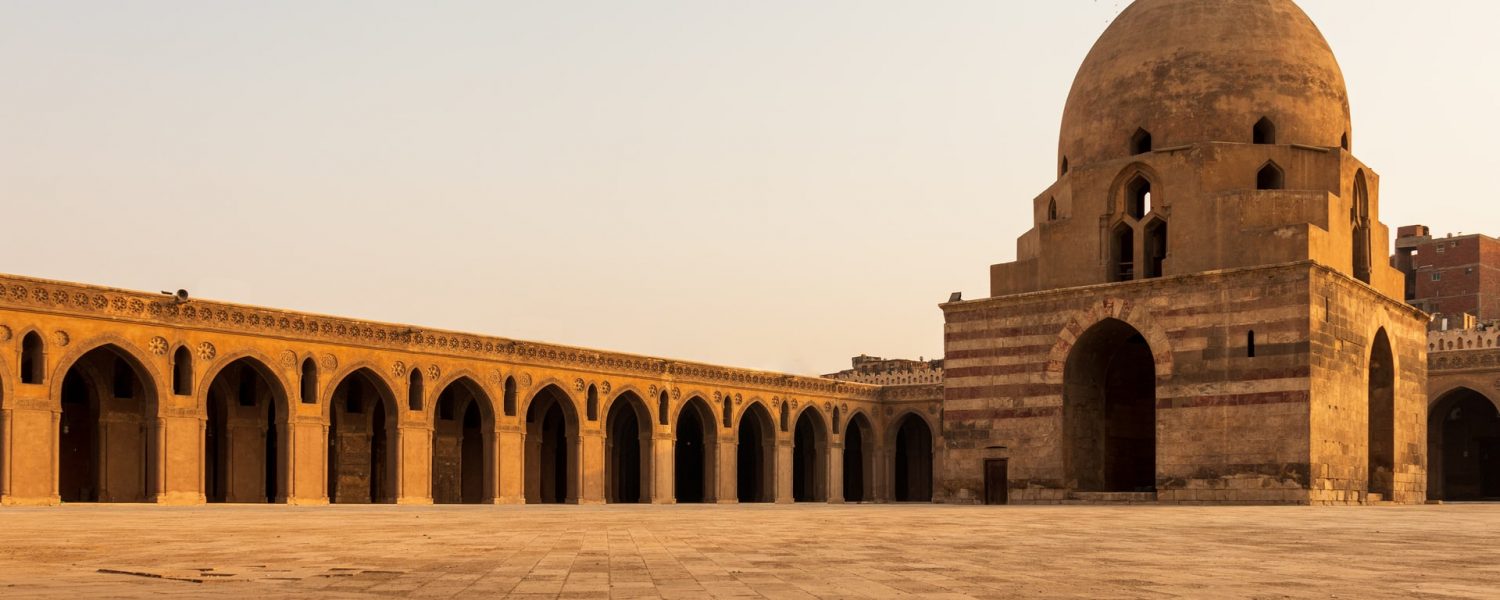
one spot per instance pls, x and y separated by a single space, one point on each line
48 296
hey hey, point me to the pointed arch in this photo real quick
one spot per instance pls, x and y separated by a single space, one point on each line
1463 441
1264 132
363 450
1360 227
912 459
755 437
859 459
1381 398
33 359
182 372
695 453
510 396
810 457
463 444
1270 177
108 396
592 403
553 447
246 442
308 381
414 390
1140 142
627 450
1109 410
1051 209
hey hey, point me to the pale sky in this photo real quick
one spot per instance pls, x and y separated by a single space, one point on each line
770 184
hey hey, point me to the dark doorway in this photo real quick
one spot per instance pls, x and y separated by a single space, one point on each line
462 432
241 436
859 455
757 444
551 447
913 476
1463 438
996 482
108 410
809 458
1109 410
693 475
627 444
360 435
1382 420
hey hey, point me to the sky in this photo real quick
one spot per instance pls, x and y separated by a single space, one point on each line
775 184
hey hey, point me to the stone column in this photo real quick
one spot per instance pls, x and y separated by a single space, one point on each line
664 469
309 460
783 470
586 473
728 471
510 456
414 466
836 472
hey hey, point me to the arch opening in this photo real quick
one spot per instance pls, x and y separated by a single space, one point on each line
1140 143
1382 417
244 447
913 468
1463 448
361 436
309 382
1270 177
1264 132
1122 253
1109 410
1361 227
107 429
1156 248
1138 197
859 457
414 390
695 454
552 448
510 396
627 451
182 372
463 445
809 458
1051 209
756 456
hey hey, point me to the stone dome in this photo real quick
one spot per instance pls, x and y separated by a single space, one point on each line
1188 71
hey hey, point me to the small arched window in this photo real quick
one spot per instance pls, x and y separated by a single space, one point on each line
414 390
1062 168
1156 249
1250 344
1344 142
1052 209
510 396
1271 177
835 418
1138 197
1122 248
785 415
728 413
182 371
1140 143
662 405
32 360
1265 132
309 382
593 404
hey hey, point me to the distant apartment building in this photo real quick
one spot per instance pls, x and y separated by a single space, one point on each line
1450 276
891 371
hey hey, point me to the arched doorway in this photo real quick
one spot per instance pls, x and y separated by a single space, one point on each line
627 450
695 454
552 448
244 441
755 456
809 462
913 460
361 440
463 430
107 432
1109 410
1463 447
1382 417
859 460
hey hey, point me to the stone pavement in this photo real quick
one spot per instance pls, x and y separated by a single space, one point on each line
802 551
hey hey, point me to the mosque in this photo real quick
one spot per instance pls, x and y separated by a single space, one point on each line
1200 314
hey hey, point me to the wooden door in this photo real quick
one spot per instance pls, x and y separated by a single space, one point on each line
996 479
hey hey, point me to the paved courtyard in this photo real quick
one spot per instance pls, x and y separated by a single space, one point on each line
804 551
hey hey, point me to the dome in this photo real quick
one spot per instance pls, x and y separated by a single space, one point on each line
1175 72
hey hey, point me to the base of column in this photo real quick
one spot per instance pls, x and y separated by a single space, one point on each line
37 501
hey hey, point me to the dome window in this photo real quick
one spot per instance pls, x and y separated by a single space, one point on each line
1344 142
1138 197
1265 132
1052 210
1063 168
1140 143
1271 177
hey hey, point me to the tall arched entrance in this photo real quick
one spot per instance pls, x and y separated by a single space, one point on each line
244 443
107 432
1463 447
1109 410
1382 417
627 450
755 456
361 441
463 442
859 460
809 458
695 454
552 448
912 477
